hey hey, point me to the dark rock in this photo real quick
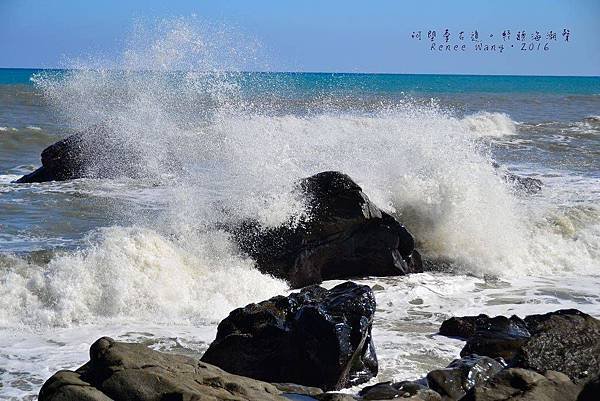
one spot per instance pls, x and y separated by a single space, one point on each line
517 384
566 341
122 372
462 374
345 236
526 185
497 337
406 390
461 327
316 337
591 390
90 154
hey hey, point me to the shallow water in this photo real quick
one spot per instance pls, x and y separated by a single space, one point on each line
143 260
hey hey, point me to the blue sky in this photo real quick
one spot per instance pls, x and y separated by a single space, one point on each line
319 35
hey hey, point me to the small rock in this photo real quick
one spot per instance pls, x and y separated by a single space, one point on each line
462 374
517 384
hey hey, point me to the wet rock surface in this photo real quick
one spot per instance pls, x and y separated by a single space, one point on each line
517 384
566 341
406 390
345 236
316 337
462 374
123 372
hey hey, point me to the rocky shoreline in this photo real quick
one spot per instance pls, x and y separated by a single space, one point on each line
309 344
260 340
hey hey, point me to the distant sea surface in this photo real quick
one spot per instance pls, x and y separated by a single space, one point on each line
142 260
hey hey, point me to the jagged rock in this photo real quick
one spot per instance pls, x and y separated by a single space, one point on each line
462 374
517 384
345 236
93 153
567 341
124 372
315 337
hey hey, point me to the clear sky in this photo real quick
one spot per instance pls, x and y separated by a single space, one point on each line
324 35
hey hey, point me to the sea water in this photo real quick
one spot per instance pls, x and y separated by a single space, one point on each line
144 259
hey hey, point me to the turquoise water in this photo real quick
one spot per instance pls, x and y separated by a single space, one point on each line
389 83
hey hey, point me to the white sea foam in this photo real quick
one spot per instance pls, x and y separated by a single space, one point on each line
33 128
486 124
134 272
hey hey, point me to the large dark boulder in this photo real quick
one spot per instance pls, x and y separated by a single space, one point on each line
345 236
124 372
462 374
93 153
525 385
315 337
566 341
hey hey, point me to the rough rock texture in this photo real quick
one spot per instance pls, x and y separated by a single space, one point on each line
132 372
567 341
406 390
345 236
462 374
525 385
316 337
90 154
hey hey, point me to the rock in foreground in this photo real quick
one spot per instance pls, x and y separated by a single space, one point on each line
525 385
346 236
316 337
566 341
124 372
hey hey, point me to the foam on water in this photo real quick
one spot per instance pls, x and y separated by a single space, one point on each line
489 124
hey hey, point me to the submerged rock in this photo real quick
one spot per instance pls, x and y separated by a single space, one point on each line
316 337
566 341
526 185
123 372
525 385
345 236
93 153
455 380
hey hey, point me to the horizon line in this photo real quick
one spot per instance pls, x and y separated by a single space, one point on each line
319 72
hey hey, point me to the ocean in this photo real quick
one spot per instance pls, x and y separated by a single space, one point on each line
142 259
